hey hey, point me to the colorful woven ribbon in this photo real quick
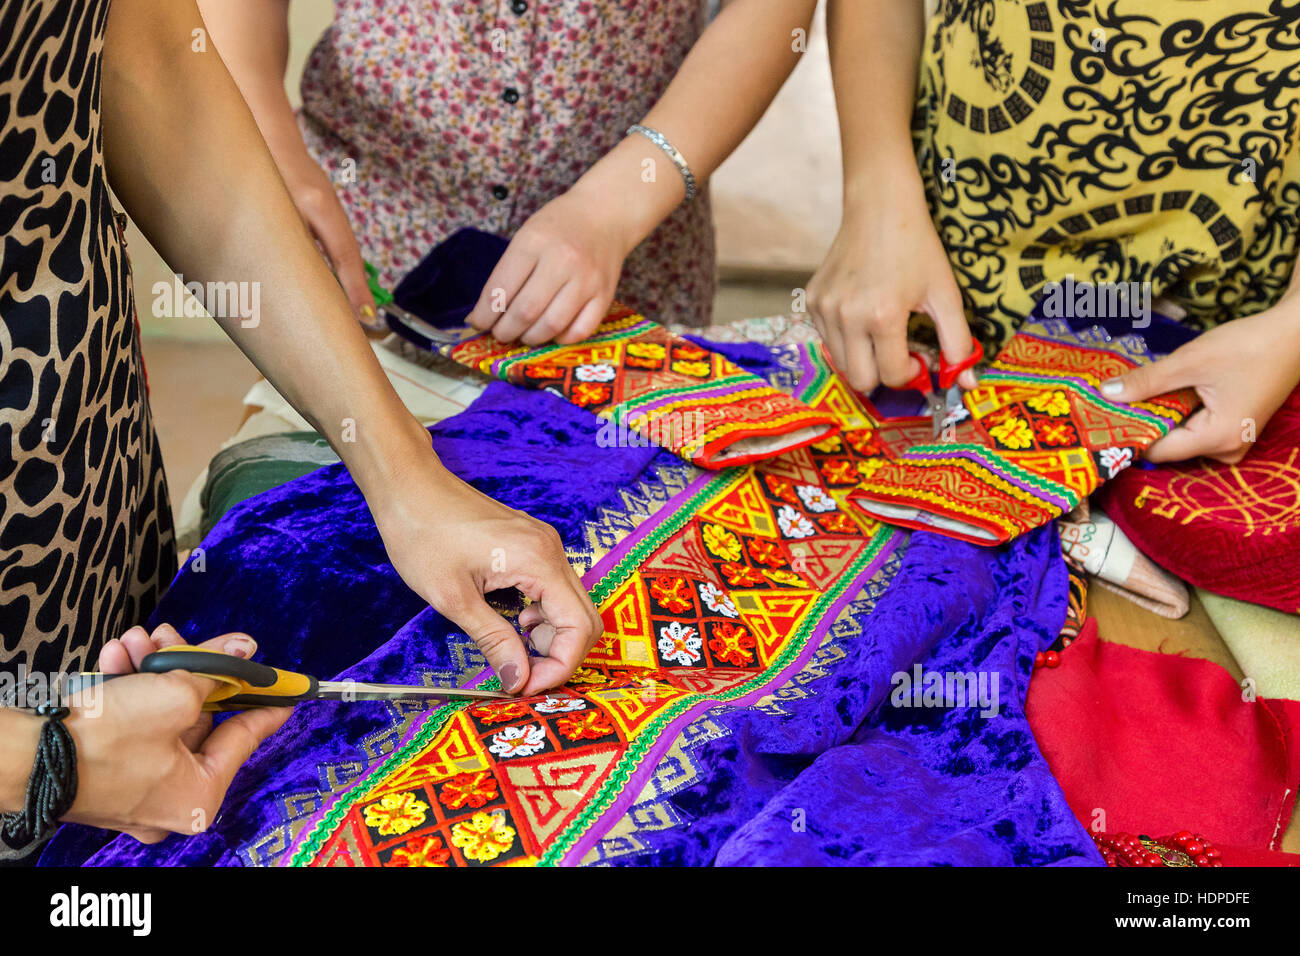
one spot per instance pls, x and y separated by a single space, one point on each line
653 386
1033 439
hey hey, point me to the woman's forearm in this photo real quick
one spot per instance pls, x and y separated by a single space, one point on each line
187 161
252 37
724 86
875 50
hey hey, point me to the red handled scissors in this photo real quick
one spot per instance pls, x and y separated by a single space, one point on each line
943 406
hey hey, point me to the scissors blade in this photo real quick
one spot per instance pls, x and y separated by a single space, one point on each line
948 413
938 409
356 690
453 336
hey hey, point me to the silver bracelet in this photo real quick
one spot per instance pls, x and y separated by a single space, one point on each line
660 140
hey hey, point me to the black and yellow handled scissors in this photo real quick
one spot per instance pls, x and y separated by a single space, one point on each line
245 684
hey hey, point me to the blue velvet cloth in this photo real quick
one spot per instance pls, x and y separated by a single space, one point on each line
444 286
302 568
923 785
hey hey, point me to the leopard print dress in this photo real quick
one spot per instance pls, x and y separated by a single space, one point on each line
86 543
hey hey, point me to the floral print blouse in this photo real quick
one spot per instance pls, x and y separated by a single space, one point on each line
431 115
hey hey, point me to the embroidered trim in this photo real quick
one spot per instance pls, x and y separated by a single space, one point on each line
636 374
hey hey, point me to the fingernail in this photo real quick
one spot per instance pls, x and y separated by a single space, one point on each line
509 676
1113 387
244 647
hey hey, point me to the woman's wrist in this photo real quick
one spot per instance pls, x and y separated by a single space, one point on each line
20 733
385 457
636 185
882 179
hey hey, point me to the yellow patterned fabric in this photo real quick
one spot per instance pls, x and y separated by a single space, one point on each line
1120 141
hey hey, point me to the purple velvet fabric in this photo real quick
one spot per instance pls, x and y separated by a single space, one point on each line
301 567
924 785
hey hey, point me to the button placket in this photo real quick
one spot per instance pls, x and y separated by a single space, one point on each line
513 69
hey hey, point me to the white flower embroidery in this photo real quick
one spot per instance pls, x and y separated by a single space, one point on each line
594 373
716 600
792 523
815 499
560 705
518 741
679 644
1116 460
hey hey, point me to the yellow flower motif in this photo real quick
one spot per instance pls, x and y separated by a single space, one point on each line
1050 403
484 837
829 445
721 543
697 369
395 813
869 466
588 675
1013 433
646 350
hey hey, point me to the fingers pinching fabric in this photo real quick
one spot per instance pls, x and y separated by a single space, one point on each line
1033 439
653 386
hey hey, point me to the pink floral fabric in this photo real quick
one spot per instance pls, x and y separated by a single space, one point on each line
434 115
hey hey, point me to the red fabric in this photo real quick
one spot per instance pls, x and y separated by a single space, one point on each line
1163 743
1231 529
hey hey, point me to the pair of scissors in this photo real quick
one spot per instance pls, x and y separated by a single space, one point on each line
943 406
244 684
410 326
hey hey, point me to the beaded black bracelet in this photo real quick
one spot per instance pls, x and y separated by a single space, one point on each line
53 784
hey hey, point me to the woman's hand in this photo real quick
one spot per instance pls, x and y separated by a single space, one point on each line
1242 370
314 197
453 544
149 762
557 277
886 263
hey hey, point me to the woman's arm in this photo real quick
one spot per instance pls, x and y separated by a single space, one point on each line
887 260
252 37
187 161
559 274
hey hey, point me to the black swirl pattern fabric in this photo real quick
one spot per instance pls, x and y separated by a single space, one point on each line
1115 141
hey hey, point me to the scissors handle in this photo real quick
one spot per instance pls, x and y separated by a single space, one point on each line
948 372
243 683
